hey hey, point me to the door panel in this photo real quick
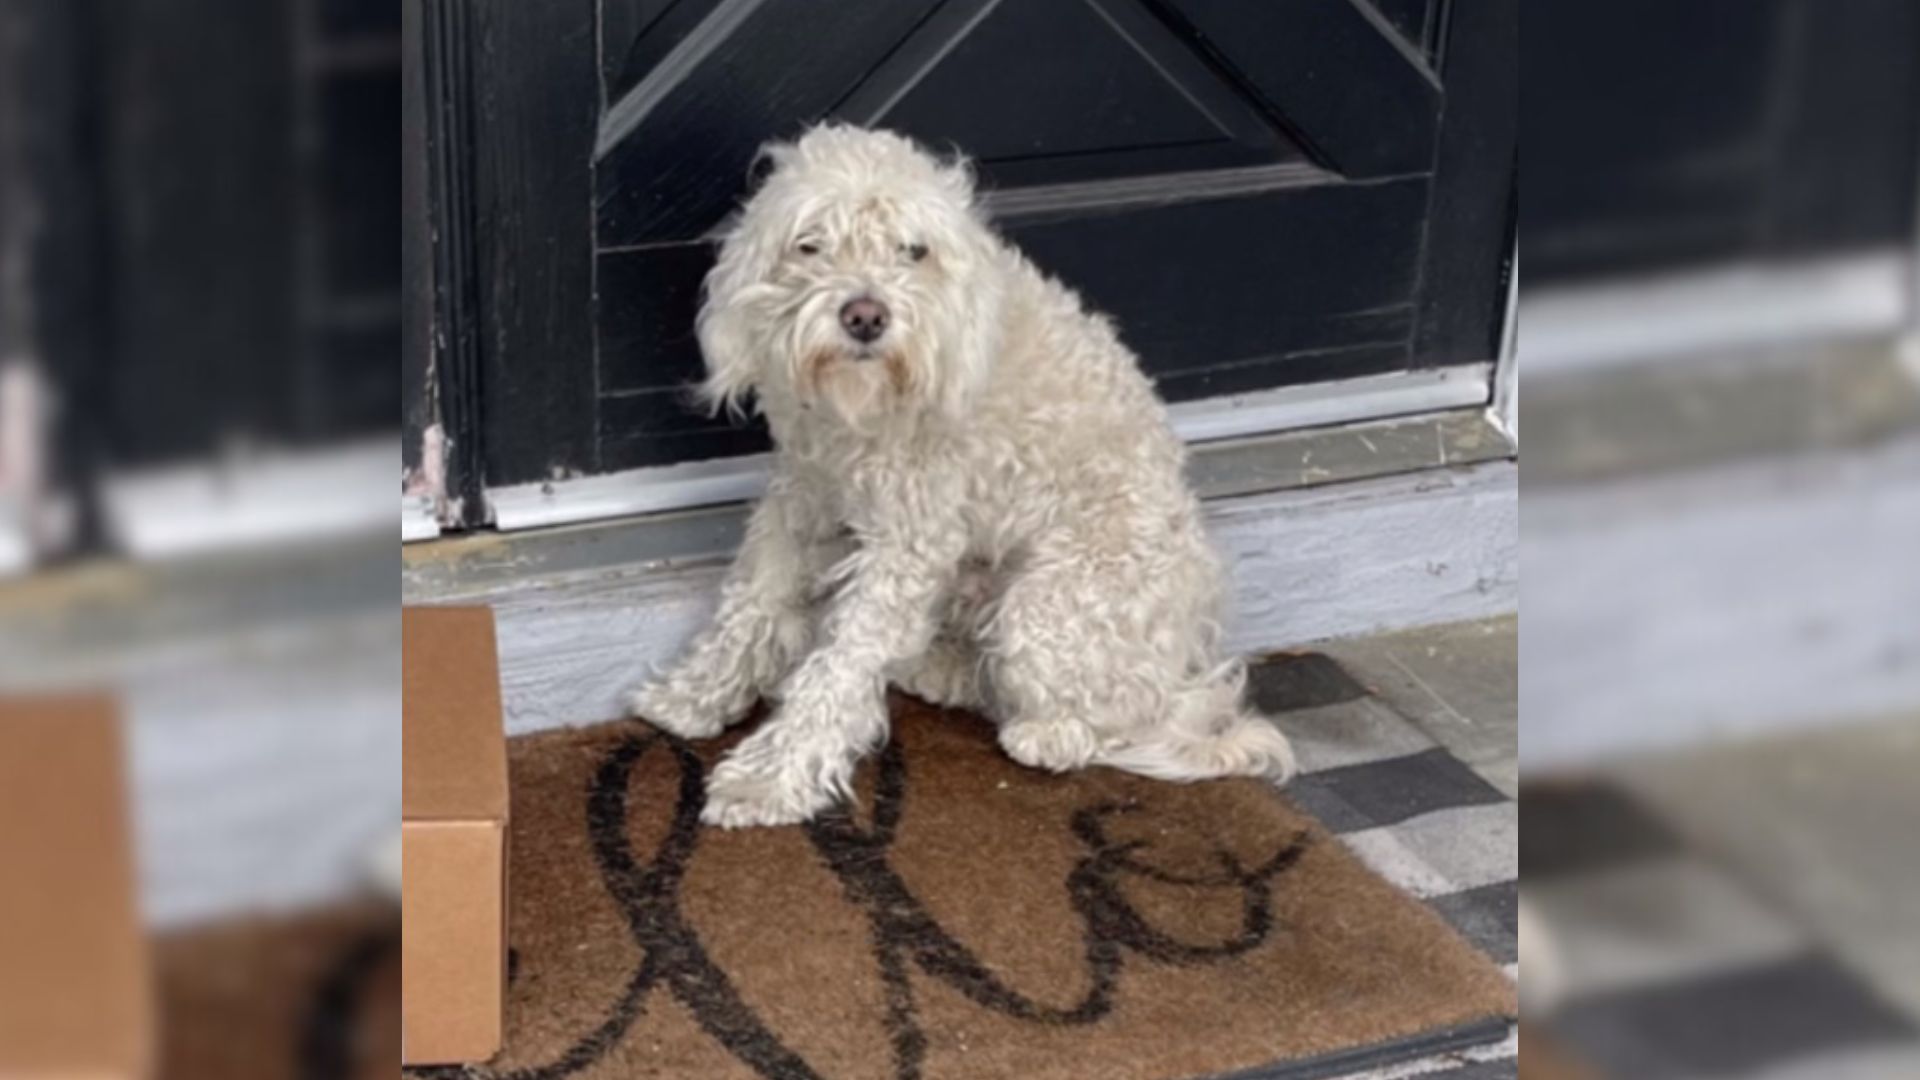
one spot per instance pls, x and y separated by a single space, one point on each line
673 152
1214 293
1744 130
1360 94
635 35
1411 18
1057 92
1248 188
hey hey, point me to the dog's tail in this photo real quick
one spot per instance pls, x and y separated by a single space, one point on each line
1210 734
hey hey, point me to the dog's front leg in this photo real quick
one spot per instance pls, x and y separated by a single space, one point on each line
833 707
758 633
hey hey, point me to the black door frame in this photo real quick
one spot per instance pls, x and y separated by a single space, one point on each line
440 390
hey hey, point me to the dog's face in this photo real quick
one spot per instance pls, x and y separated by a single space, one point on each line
857 281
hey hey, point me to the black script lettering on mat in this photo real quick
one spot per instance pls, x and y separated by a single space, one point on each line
329 1038
904 935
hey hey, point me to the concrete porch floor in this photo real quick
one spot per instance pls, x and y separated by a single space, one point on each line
1740 909
1458 682
1720 759
1819 826
1785 847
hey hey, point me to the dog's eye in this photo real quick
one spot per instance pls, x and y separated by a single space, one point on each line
808 247
916 252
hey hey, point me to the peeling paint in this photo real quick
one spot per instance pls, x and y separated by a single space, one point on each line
429 480
25 408
22 430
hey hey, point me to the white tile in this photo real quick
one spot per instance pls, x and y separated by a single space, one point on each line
1656 921
1445 851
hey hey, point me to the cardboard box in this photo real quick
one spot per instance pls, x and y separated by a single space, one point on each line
453 835
76 994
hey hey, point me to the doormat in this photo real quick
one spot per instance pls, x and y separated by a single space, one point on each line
307 996
966 918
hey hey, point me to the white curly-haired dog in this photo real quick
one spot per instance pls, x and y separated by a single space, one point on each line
975 496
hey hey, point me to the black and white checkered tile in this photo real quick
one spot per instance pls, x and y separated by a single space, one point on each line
1672 967
1415 813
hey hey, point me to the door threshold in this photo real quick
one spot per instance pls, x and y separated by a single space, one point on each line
254 501
1657 320
479 562
725 480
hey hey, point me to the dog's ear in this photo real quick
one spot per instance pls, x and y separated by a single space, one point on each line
723 326
766 160
958 176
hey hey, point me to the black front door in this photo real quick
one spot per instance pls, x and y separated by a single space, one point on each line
1263 194
1745 131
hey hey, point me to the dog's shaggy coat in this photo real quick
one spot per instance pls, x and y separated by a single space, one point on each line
983 504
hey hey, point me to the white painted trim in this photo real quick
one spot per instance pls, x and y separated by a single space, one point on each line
417 519
1371 397
266 498
16 546
1720 604
1504 413
26 405
1305 565
1910 343
724 480
635 491
1598 327
1910 347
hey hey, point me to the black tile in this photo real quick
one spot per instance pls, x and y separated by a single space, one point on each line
1287 681
1488 917
1365 796
1733 1023
1575 828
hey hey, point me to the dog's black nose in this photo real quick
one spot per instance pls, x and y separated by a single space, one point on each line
864 319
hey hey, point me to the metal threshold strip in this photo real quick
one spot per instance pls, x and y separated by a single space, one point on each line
727 480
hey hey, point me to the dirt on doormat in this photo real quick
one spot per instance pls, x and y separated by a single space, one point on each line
967 918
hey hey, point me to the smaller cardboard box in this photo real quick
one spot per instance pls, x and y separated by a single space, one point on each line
453 834
76 994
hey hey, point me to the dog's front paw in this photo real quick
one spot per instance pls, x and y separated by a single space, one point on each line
740 795
1053 745
675 709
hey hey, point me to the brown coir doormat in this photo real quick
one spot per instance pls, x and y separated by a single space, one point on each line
310 996
968 919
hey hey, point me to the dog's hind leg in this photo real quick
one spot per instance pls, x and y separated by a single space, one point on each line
947 674
1206 732
1085 673
1049 667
